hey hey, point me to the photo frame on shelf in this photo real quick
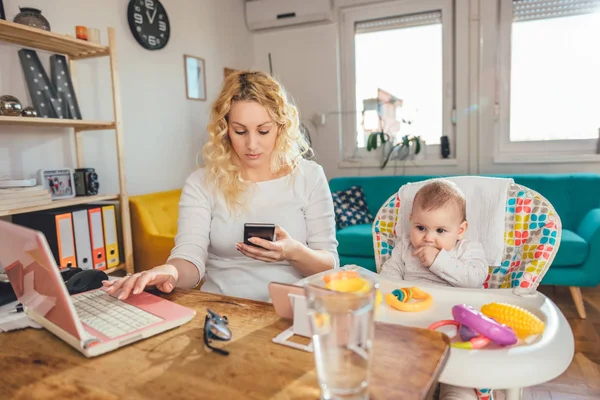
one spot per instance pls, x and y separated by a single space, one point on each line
195 77
59 182
51 98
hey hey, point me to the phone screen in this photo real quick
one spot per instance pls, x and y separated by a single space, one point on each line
263 231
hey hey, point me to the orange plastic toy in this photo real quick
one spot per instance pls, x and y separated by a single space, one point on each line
400 299
349 282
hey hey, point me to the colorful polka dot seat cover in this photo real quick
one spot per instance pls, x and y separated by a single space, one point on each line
531 239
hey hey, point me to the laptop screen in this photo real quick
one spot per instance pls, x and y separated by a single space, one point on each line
35 277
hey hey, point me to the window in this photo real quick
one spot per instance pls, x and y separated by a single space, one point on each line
402 56
551 75
397 54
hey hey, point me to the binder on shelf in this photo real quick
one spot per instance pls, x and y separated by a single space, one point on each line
117 205
57 226
81 232
97 238
111 242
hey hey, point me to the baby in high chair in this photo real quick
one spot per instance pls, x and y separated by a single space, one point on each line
435 252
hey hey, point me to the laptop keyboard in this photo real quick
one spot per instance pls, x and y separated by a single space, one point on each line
110 316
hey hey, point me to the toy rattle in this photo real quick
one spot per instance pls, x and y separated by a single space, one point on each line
523 322
400 299
479 329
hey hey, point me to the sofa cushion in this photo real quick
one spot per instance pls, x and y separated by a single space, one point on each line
351 207
573 250
356 240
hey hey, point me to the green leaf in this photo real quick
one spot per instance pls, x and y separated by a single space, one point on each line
405 141
372 142
417 145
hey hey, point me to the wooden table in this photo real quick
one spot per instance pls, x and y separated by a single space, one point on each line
175 364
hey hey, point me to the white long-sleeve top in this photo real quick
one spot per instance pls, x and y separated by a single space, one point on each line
300 203
464 266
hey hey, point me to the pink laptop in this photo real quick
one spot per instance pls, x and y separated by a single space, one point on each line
93 322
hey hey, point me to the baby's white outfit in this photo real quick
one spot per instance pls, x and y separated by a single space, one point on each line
463 266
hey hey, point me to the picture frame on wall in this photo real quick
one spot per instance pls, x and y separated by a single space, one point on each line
195 77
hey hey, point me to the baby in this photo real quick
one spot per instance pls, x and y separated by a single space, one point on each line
435 252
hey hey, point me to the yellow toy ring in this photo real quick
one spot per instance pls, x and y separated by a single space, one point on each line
399 299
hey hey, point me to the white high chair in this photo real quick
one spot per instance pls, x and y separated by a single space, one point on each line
532 237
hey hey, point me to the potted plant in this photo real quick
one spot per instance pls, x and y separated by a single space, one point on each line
401 148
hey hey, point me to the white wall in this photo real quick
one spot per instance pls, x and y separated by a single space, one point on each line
306 60
163 130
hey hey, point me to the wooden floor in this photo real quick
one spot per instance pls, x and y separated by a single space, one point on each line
582 379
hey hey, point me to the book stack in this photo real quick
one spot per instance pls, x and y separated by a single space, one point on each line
22 197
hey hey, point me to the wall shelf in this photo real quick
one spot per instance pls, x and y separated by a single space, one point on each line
78 124
35 38
61 203
76 49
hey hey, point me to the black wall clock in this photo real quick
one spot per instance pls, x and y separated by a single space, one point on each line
149 23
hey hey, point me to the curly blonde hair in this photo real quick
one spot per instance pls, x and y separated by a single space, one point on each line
290 145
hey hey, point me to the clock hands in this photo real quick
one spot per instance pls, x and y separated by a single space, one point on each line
151 19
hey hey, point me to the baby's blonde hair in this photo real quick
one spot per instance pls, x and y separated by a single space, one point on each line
438 194
290 144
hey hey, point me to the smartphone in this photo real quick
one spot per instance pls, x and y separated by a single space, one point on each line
281 301
263 231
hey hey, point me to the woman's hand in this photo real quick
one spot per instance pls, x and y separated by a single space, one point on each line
279 250
163 277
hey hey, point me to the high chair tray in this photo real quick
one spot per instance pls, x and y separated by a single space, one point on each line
524 364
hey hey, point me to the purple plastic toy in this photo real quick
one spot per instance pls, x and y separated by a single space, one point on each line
466 333
480 323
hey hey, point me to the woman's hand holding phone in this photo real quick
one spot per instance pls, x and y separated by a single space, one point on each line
279 250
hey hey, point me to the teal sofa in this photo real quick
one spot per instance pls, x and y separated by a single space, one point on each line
576 198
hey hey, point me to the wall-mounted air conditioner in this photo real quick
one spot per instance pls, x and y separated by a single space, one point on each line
267 14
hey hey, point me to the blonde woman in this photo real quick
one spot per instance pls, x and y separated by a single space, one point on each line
254 172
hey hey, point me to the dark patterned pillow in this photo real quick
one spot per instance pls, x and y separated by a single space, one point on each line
351 207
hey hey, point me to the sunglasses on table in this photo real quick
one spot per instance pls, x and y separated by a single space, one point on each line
215 328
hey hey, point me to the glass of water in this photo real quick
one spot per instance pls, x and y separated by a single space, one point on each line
341 312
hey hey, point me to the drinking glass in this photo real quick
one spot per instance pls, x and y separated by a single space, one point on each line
341 312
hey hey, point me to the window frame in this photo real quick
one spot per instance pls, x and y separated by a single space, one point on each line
348 17
507 151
